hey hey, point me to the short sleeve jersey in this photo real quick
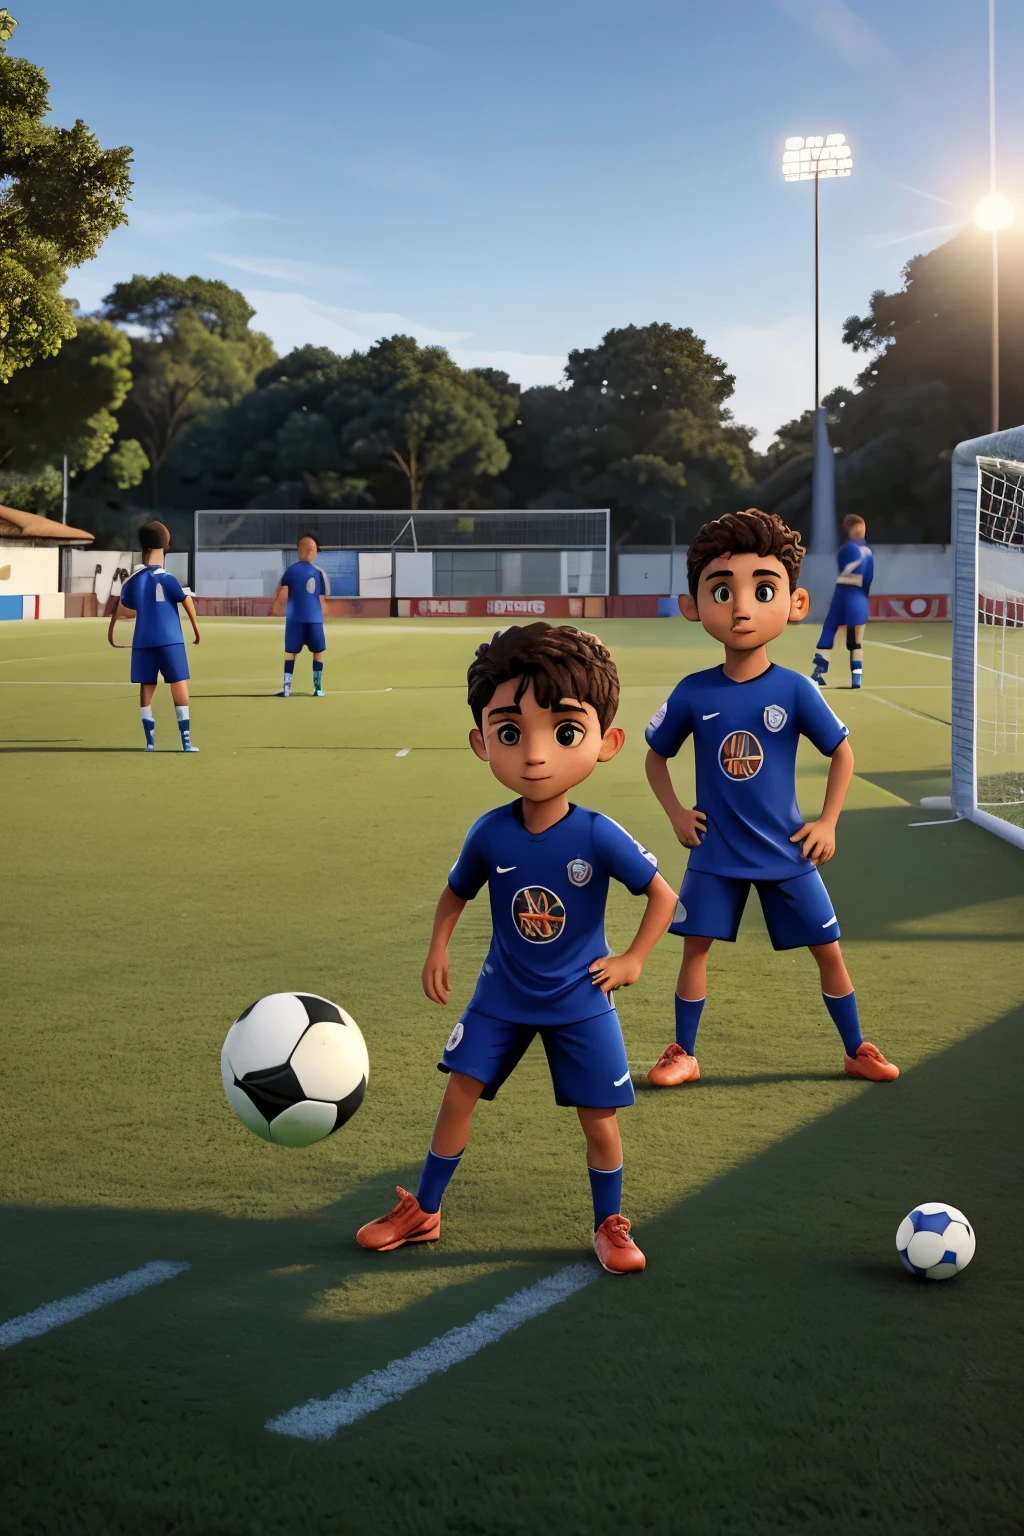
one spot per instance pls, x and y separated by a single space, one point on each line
548 894
154 594
745 737
856 559
306 584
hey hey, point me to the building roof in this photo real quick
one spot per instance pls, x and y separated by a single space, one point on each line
30 525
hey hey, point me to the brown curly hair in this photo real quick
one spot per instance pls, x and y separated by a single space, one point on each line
742 533
561 662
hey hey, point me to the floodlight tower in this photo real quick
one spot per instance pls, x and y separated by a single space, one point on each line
819 158
994 212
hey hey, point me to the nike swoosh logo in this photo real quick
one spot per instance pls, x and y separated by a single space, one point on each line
619 1081
713 716
504 870
830 922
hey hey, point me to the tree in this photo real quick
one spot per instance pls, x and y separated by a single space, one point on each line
195 356
67 403
60 196
639 424
399 423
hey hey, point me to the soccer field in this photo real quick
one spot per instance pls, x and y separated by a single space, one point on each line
774 1368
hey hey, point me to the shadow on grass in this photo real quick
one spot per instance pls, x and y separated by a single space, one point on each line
774 1344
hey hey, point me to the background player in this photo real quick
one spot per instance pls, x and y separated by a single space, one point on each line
151 596
306 586
849 605
746 718
543 699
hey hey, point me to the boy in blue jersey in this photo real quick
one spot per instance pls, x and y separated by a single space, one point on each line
543 699
306 586
849 605
151 596
746 718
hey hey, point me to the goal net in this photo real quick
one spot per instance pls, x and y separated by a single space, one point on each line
988 643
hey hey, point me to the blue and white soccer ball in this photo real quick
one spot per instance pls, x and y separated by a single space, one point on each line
936 1241
294 1067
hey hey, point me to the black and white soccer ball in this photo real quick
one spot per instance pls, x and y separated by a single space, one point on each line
294 1067
935 1241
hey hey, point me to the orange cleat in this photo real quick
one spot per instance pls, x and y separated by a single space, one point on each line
614 1247
407 1223
870 1063
674 1067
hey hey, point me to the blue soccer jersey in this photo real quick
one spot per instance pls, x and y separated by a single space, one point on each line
548 893
306 584
855 559
745 737
154 595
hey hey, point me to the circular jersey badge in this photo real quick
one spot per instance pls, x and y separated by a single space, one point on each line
740 756
539 915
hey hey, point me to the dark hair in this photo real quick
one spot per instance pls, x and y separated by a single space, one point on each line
561 662
742 533
851 520
312 536
154 535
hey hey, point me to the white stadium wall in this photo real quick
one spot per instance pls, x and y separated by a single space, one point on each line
35 571
899 569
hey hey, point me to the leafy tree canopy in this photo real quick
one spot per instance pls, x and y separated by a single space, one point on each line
641 424
195 357
66 403
60 196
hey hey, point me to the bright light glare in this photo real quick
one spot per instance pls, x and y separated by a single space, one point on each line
994 212
817 157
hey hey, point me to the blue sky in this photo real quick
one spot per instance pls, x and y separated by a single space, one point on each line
513 179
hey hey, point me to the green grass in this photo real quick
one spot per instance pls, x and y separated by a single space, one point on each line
773 1369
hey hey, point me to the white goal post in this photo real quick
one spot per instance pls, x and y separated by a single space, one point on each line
988 633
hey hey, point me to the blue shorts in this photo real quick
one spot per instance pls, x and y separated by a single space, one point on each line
150 662
797 912
849 606
587 1060
298 634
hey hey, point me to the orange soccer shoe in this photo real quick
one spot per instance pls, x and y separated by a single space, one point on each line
673 1067
870 1063
407 1223
614 1247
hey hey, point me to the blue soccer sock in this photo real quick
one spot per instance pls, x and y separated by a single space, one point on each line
149 726
688 1012
606 1188
318 676
181 711
856 668
820 664
289 668
434 1180
843 1011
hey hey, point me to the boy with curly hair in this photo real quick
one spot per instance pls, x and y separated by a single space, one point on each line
543 699
746 718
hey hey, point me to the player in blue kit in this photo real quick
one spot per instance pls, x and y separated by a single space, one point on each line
306 586
849 605
543 699
746 718
151 596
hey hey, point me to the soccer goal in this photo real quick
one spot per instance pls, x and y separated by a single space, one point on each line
988 633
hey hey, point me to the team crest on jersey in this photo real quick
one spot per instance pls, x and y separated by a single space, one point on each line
740 756
658 716
580 871
454 1037
538 913
775 717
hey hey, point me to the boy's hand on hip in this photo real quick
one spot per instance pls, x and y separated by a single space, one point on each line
615 971
689 827
818 839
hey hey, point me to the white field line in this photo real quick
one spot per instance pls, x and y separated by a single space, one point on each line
404 752
911 687
891 703
898 644
56 1313
886 645
322 1417
46 682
